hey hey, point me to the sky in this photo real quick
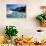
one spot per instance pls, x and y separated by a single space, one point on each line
13 6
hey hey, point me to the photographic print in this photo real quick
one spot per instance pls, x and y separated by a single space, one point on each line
16 11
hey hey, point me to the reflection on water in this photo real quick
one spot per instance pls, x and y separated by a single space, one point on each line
16 14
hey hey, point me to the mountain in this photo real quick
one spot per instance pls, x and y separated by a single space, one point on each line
20 9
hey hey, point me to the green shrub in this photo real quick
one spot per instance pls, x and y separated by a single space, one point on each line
11 31
41 17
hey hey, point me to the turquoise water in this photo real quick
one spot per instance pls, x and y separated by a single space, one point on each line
17 15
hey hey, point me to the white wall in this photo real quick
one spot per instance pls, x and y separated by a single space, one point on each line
24 26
